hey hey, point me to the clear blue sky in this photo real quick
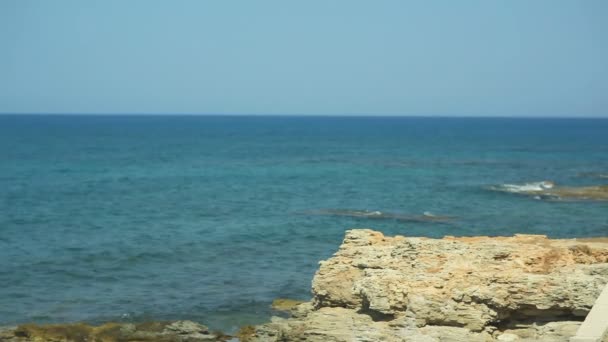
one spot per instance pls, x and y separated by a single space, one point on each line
491 58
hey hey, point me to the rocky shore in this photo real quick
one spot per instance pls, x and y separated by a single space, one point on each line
179 331
378 288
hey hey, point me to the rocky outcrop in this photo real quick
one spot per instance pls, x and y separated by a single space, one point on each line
179 331
596 192
549 190
341 325
378 288
285 304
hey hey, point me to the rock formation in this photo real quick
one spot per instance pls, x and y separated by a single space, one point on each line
596 192
549 190
378 288
179 331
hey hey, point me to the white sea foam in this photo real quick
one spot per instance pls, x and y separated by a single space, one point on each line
526 187
362 213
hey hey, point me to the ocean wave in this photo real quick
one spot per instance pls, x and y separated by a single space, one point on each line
524 188
547 190
376 214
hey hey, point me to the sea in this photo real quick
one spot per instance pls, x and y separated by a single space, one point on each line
211 218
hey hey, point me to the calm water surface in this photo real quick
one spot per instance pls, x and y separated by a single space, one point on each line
211 218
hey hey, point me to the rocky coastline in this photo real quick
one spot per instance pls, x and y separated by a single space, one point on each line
549 190
378 288
112 332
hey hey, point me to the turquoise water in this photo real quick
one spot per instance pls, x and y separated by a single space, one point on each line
211 218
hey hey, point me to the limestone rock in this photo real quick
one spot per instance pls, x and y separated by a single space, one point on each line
285 304
465 282
179 331
377 288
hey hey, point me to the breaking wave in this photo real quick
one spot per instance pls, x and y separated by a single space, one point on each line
524 188
375 214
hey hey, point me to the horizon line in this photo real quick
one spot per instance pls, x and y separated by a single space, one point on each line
359 115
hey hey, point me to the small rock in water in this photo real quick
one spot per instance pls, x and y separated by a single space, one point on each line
285 304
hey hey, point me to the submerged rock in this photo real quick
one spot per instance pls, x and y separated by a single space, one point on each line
179 331
381 215
548 190
378 288
597 192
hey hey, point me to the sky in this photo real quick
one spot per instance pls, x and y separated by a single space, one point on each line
314 57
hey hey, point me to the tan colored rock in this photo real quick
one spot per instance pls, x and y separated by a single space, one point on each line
285 304
246 333
345 325
597 192
551 331
179 331
377 288
466 282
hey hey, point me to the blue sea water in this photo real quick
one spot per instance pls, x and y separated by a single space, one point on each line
211 218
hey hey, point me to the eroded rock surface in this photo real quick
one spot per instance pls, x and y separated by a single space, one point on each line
285 304
378 288
179 331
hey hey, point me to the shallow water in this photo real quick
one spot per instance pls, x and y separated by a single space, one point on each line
211 218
